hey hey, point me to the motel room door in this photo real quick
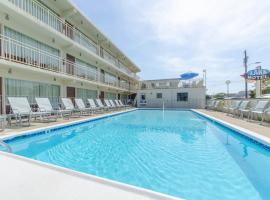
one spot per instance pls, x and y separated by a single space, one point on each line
71 93
101 96
70 64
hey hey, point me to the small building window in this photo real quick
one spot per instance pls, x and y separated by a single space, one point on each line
183 96
159 95
143 97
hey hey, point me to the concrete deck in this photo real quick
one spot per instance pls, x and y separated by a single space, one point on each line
24 179
256 127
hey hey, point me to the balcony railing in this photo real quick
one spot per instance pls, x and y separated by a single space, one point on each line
19 52
47 16
197 83
42 13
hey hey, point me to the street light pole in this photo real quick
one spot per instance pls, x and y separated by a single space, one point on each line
245 65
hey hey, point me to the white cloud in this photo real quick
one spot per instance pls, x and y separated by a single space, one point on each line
198 34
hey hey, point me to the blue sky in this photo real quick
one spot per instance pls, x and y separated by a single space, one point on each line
168 37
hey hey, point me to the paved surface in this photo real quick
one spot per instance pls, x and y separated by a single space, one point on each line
13 130
256 127
25 180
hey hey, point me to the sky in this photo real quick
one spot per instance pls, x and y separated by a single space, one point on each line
168 37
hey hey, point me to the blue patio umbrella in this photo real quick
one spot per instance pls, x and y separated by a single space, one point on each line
188 75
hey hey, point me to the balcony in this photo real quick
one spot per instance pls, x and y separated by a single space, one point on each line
48 17
19 52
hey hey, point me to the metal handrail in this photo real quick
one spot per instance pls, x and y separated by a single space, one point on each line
5 145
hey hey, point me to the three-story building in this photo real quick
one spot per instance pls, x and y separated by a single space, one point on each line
48 48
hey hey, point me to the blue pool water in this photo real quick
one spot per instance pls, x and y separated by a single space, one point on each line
176 152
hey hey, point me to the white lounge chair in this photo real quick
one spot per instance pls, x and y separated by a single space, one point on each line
101 105
113 104
258 109
121 103
118 104
81 106
44 104
210 105
266 114
243 108
231 108
68 105
93 106
21 109
108 104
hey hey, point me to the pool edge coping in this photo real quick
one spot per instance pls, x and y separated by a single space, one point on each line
248 133
95 179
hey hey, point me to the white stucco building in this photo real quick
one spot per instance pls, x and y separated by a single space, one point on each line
171 93
49 48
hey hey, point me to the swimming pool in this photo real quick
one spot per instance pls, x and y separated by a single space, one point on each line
176 152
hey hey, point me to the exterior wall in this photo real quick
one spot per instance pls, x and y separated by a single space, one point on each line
196 98
19 67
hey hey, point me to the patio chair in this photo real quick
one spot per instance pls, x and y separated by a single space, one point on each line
21 109
68 105
210 104
121 103
242 109
113 104
108 104
216 105
44 104
81 106
118 104
101 105
93 106
266 113
231 108
258 109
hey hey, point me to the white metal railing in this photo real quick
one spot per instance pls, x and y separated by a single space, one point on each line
19 52
197 83
47 16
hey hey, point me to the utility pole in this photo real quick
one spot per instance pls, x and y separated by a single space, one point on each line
245 65
228 87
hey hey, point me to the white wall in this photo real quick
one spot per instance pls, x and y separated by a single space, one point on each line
196 98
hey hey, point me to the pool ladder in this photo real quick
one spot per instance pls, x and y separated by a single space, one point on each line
6 146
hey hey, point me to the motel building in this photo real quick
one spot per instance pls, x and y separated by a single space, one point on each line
172 93
50 49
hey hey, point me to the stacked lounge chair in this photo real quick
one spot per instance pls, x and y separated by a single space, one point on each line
108 104
231 108
258 110
242 109
114 105
68 105
101 105
94 107
44 104
121 103
81 106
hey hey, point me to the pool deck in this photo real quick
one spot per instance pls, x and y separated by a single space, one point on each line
251 126
23 178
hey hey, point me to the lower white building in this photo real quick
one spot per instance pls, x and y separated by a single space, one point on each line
171 93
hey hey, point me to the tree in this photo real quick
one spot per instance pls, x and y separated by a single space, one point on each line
219 95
